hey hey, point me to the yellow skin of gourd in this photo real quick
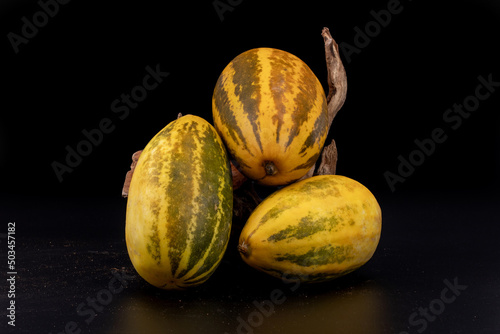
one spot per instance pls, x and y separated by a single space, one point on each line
278 116
342 202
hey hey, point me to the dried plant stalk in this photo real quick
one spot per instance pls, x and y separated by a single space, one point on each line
329 157
337 78
337 91
128 177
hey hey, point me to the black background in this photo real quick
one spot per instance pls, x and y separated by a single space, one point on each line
400 85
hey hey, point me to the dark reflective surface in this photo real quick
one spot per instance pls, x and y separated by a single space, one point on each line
430 244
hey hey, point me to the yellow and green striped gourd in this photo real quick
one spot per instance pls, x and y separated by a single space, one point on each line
179 207
314 230
270 110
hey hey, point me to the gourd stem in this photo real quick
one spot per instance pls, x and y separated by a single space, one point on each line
243 248
270 168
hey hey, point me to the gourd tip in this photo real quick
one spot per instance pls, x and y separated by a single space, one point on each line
270 168
243 248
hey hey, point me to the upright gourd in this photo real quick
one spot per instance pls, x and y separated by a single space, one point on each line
271 112
179 206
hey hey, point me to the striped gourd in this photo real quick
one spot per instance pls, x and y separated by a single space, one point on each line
314 230
179 207
270 110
